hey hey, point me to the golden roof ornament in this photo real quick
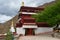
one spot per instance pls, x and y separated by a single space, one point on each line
22 3
12 24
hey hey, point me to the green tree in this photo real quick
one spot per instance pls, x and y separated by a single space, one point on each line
9 36
51 14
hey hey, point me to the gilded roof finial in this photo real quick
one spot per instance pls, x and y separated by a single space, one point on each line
12 23
22 3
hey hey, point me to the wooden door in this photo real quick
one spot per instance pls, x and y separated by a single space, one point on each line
29 31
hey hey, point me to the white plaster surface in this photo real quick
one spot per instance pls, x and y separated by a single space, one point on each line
59 26
43 29
12 29
20 31
37 30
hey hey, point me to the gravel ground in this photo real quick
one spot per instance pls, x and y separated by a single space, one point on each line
40 37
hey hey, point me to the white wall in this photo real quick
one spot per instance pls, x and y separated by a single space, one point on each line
37 31
42 30
20 31
59 26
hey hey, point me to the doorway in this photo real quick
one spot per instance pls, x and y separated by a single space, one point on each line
29 31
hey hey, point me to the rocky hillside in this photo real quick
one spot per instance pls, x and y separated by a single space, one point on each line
47 4
5 26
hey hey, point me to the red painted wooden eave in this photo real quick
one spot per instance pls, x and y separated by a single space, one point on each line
42 24
30 9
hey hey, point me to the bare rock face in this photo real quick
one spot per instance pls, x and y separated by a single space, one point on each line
47 4
5 26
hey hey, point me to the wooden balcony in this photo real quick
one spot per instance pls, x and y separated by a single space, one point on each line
28 20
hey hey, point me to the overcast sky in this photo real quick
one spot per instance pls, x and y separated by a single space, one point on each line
9 8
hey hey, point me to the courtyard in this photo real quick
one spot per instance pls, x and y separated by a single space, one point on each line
39 37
